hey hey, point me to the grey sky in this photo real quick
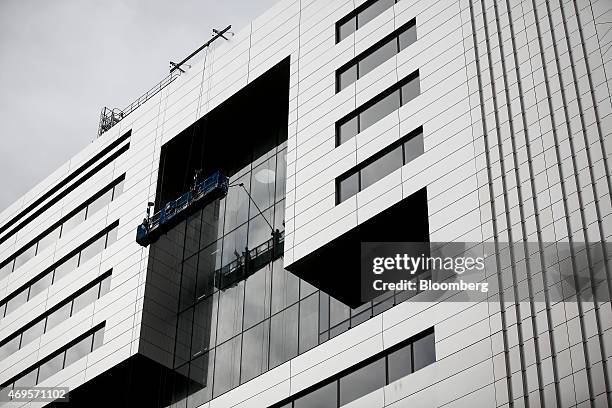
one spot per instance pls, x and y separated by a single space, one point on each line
63 60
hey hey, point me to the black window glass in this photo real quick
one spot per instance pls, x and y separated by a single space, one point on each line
188 282
184 330
60 315
285 287
66 267
227 366
373 11
413 148
309 323
347 28
209 260
230 312
20 299
279 216
424 351
381 167
400 363
33 333
362 381
92 249
192 234
257 297
85 299
25 256
78 351
202 325
212 223
379 110
48 239
237 203
376 58
347 130
255 343
407 37
410 90
40 285
51 367
348 187
100 203
323 312
234 245
6 270
347 76
73 221
9 347
324 397
263 193
284 336
281 174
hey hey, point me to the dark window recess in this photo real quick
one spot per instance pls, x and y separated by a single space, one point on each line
380 165
360 17
374 56
377 108
367 376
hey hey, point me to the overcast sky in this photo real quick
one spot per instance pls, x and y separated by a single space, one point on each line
63 60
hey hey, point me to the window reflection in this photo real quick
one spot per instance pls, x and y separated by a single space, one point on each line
262 186
255 351
237 202
324 397
227 366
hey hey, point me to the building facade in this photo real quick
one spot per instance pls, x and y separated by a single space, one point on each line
337 122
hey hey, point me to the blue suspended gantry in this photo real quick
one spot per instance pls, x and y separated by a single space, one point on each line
201 194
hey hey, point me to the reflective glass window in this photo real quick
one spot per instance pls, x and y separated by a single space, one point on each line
100 203
73 221
348 187
309 323
98 338
48 239
281 174
284 336
212 223
411 90
105 286
78 351
20 299
376 58
9 347
202 325
227 366
255 343
118 189
231 303
324 397
424 351
192 234
373 11
257 297
362 381
92 249
338 312
60 315
407 37
111 237
66 267
188 282
348 129
413 148
209 260
323 312
40 285
400 363
379 110
381 167
6 269
237 203
263 192
33 333
51 367
259 229
28 380
347 76
234 245
184 330
25 256
279 216
84 299
285 287
347 28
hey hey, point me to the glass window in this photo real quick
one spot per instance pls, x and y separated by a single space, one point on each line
25 256
376 58
381 167
78 351
255 344
192 234
285 287
98 339
212 223
92 249
262 186
424 351
184 331
284 336
348 187
6 269
33 333
229 320
309 323
209 260
188 282
410 90
413 148
279 216
237 203
338 312
227 366
99 203
111 237
281 174
362 381
323 312
51 367
347 76
379 110
373 11
28 379
347 28
118 189
400 363
259 229
84 299
20 299
48 239
306 289
105 286
348 129
407 37
9 347
234 245
257 297
73 221
324 397
60 315
200 339
66 267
